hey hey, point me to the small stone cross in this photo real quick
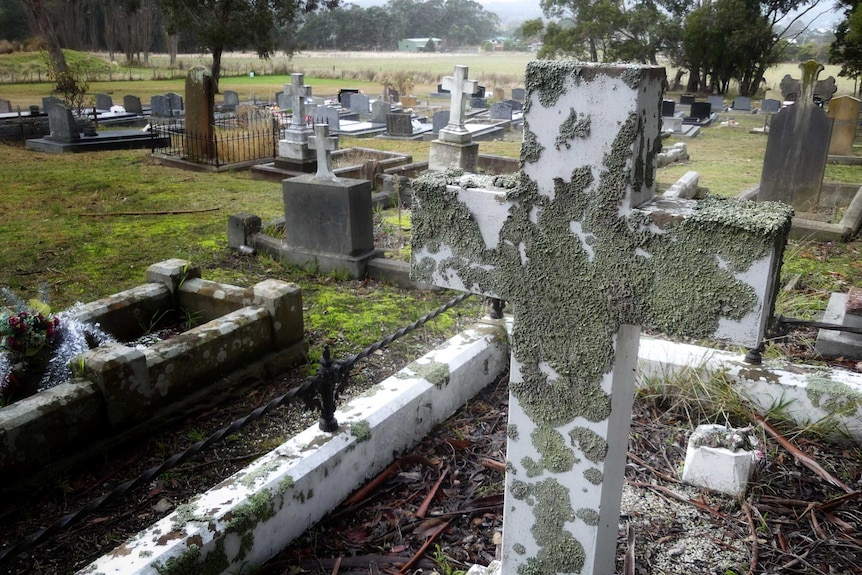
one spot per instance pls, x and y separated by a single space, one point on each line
585 254
298 93
324 145
460 88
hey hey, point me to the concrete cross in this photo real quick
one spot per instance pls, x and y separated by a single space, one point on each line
298 93
324 145
585 254
460 88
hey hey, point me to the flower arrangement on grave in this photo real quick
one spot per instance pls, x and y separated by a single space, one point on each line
27 334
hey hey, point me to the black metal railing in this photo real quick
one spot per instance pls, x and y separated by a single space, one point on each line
233 140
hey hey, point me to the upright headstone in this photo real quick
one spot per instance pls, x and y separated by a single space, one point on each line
716 101
477 103
399 124
175 101
344 95
796 149
104 101
742 104
844 111
360 104
586 257
5 106
686 99
701 110
160 106
50 101
294 151
132 104
328 220
379 109
668 108
516 105
454 147
200 100
282 100
480 92
519 94
500 111
231 99
770 106
791 88
439 120
62 124
327 115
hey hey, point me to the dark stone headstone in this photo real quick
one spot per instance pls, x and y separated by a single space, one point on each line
175 101
326 115
668 107
501 111
62 124
394 95
231 99
439 120
700 110
5 106
399 124
200 97
104 102
441 89
770 105
823 89
480 92
717 101
359 104
344 96
519 94
478 103
796 151
742 103
50 101
379 109
132 104
686 99
517 105
160 106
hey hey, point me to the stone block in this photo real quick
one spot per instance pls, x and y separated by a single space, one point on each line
717 468
240 228
120 373
446 155
171 273
283 301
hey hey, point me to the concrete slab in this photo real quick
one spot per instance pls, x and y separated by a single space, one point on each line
106 140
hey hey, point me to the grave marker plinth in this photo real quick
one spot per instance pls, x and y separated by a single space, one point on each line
585 254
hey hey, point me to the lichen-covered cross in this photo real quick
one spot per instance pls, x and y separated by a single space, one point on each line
324 145
460 88
297 92
585 254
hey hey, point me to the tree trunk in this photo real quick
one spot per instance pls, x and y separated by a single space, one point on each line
216 70
693 79
46 29
594 53
677 80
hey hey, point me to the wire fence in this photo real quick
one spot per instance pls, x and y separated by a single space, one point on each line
319 391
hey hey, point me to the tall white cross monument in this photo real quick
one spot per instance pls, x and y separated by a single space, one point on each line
293 150
454 146
585 254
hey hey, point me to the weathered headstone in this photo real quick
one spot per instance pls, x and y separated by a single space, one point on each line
844 111
791 88
5 106
160 106
293 150
439 120
104 101
62 124
326 115
585 256
519 94
231 99
399 124
716 101
344 95
50 101
478 103
686 99
500 111
379 109
282 100
517 106
175 101
796 149
200 97
132 104
454 147
668 108
324 145
360 104
742 104
770 106
700 110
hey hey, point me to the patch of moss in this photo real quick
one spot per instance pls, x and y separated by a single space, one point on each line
588 516
594 476
593 445
361 430
833 397
257 509
264 470
556 457
285 484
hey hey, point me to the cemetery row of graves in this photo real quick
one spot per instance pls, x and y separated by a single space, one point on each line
328 228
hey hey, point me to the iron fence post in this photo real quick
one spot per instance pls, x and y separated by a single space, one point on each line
328 386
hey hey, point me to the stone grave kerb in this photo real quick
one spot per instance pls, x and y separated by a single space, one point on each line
324 145
454 147
585 253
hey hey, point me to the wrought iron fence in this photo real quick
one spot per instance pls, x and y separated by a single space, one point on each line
248 136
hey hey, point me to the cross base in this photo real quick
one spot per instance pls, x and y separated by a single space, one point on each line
445 155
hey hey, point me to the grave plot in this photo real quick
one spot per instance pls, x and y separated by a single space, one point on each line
116 387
